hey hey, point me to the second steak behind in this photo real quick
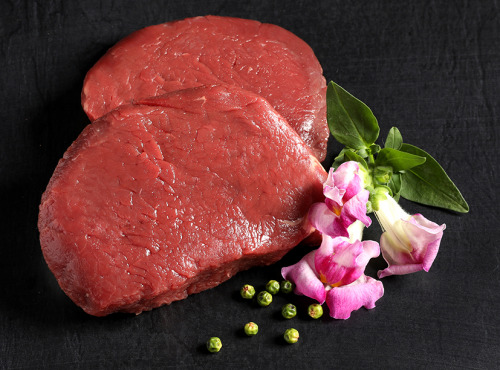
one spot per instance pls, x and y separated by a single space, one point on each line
258 57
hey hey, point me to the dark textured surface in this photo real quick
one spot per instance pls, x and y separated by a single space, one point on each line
431 68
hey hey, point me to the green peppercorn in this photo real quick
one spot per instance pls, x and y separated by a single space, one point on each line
291 335
315 311
264 298
247 291
288 311
286 287
251 329
273 286
214 344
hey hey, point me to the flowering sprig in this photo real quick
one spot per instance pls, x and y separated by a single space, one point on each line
370 178
408 243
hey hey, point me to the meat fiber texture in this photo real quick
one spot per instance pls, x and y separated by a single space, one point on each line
262 58
173 195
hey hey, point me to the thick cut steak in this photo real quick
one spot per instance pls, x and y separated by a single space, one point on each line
173 195
262 58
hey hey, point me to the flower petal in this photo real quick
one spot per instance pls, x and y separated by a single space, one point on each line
388 211
355 209
331 190
303 274
346 177
410 246
345 202
363 292
325 221
340 262
371 250
335 261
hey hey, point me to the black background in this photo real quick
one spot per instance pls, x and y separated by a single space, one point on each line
431 68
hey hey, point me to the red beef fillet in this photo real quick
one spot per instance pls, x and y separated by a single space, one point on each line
262 58
174 195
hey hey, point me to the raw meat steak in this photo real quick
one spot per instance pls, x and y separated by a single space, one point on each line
173 195
262 58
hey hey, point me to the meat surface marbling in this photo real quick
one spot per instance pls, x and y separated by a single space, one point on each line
258 57
173 195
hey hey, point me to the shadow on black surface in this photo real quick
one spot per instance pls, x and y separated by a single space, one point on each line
32 292
202 349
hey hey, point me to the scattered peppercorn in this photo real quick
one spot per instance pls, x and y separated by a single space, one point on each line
264 298
247 291
291 335
251 329
273 286
214 344
286 286
315 311
288 311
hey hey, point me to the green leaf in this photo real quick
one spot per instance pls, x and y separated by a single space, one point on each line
398 160
350 121
339 159
352 156
429 184
347 154
395 186
394 139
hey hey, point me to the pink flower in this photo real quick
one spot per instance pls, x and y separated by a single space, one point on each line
363 292
334 273
409 243
345 202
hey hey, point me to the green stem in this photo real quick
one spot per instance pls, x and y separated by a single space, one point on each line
371 159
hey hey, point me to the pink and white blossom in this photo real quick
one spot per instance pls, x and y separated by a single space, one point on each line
409 243
345 202
334 273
